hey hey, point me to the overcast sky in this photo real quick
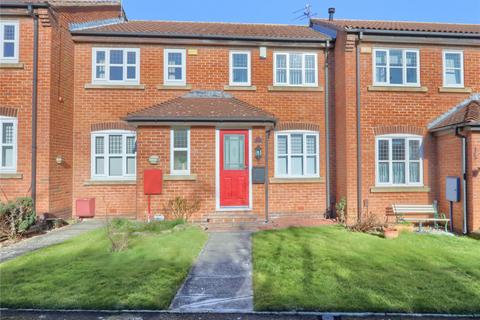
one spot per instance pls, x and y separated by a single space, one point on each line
282 11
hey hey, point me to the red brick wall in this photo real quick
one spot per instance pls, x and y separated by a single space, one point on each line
473 180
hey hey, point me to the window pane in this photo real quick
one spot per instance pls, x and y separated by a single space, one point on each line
411 59
115 164
398 149
295 61
7 133
116 73
99 165
9 32
234 149
453 76
380 58
281 60
309 62
398 172
174 58
297 143
311 145
240 75
414 172
180 138
240 60
100 72
115 144
452 60
116 56
180 160
131 72
7 156
396 75
396 58
309 76
383 172
297 165
131 57
174 73
383 150
101 57
414 149
282 145
130 165
412 75
131 145
8 49
99 145
281 75
311 165
381 74
282 165
295 76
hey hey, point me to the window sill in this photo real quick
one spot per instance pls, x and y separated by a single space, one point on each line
239 88
454 90
397 89
294 88
179 177
274 180
174 87
11 175
8 65
109 182
399 189
115 86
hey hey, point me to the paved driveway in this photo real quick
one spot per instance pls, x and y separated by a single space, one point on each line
221 279
48 239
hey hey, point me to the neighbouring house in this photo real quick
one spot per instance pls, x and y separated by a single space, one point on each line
256 122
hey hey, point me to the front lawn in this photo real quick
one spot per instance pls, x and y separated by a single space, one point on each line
82 273
332 269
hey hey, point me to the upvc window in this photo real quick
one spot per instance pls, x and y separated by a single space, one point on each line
399 67
116 65
114 155
240 68
9 41
180 151
452 68
296 154
8 144
295 69
399 160
174 67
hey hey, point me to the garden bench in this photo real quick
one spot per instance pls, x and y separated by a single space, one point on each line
408 213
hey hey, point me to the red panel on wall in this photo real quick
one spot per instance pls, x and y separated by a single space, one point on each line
152 181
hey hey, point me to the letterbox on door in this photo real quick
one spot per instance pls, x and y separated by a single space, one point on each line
152 181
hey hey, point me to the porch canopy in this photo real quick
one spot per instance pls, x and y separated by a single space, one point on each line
464 115
202 108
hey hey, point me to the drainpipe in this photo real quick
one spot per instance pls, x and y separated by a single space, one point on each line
327 129
464 178
359 137
33 187
267 136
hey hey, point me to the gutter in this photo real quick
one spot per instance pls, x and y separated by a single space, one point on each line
464 179
416 33
327 129
359 133
23 5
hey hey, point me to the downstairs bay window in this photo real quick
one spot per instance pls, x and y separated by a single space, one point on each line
113 155
399 160
296 154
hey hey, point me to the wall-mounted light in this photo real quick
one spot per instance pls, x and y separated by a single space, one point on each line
59 159
154 159
258 153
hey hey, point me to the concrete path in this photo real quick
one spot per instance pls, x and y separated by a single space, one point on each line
48 239
221 279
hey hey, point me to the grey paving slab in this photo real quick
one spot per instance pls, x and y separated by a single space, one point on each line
221 279
48 239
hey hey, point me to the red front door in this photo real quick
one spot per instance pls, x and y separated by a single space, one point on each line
234 177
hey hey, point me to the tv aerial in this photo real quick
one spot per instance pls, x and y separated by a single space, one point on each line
306 13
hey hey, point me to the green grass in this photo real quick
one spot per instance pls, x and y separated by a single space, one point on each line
82 273
332 269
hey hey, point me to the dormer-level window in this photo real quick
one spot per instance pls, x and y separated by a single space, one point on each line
397 67
452 68
8 41
116 65
174 66
295 69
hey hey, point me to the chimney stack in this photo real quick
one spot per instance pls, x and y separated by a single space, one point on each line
331 12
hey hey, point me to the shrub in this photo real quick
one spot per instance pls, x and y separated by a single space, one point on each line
181 208
369 224
16 217
117 233
340 209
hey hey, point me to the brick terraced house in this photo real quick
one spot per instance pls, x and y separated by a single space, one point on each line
264 125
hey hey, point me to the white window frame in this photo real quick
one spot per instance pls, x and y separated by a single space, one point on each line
16 41
407 138
13 168
182 81
173 149
249 66
305 133
107 65
93 155
287 83
462 66
404 68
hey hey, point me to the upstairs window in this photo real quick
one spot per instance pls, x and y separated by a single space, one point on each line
397 67
240 68
452 68
116 66
174 67
8 144
296 154
399 160
113 155
180 151
9 41
295 69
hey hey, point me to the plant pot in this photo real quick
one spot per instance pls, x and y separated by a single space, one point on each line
405 227
390 233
